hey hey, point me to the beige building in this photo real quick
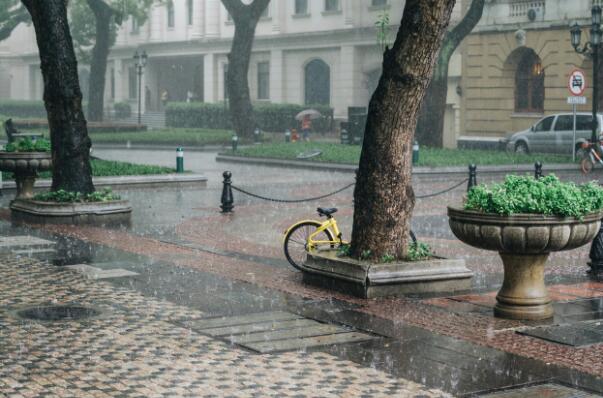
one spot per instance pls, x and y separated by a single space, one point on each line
516 64
305 51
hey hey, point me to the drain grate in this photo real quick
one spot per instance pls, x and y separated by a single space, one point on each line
58 313
576 334
549 390
276 331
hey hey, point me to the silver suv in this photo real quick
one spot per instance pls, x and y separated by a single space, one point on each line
553 134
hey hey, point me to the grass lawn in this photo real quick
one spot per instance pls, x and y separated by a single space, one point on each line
171 136
350 154
108 168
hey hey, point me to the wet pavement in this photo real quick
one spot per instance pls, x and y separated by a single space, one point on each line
163 283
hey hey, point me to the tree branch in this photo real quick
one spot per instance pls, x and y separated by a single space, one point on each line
14 18
463 28
236 8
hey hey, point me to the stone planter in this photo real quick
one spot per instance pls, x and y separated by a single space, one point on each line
110 213
524 242
25 166
368 280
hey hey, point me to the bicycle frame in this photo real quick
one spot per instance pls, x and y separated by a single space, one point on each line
329 224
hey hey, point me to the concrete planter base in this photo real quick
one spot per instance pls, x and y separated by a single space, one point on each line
116 212
368 280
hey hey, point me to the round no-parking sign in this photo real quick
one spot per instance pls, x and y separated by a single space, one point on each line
577 82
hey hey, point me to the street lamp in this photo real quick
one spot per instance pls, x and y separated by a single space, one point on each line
140 62
591 48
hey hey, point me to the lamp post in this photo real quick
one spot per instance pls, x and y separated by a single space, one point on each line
591 48
140 62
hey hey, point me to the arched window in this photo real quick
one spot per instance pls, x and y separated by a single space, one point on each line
317 76
529 84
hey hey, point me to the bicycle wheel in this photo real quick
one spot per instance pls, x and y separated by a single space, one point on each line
296 241
586 165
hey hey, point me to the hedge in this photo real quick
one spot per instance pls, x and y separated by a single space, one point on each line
270 117
93 127
17 108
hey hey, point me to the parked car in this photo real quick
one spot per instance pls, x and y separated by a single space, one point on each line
554 133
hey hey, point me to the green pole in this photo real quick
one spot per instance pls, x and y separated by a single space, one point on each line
179 160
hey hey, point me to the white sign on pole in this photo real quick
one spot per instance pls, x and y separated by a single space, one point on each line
577 82
576 100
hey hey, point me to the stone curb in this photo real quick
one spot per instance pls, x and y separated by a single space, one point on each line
137 181
348 168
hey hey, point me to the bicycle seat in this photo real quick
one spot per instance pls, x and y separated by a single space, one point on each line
326 211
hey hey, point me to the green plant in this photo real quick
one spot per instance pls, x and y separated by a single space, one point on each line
365 255
383 30
343 250
419 251
546 195
387 258
63 196
27 145
123 110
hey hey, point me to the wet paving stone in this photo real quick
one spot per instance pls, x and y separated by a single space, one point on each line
540 391
137 350
577 334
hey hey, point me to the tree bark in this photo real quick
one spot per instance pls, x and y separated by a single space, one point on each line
13 19
430 127
100 53
383 195
245 18
62 97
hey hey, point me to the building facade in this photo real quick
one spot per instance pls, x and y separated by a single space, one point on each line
517 62
304 52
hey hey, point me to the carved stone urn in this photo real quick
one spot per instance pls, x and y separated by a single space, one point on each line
25 166
524 242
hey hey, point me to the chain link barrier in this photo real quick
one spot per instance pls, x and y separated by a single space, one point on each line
338 191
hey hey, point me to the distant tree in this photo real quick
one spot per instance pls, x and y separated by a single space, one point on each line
245 18
62 96
94 34
430 128
12 13
383 196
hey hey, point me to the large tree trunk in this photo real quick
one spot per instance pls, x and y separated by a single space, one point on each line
98 65
62 97
245 18
430 127
383 197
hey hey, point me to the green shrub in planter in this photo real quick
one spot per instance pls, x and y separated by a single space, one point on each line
123 110
63 196
270 117
18 108
546 195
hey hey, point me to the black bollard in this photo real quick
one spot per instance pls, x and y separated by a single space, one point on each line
596 254
227 199
472 177
537 170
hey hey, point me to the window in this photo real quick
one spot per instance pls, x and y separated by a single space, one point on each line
132 82
134 25
529 84
584 122
112 83
263 80
170 14
301 7
564 123
378 3
331 5
225 82
189 11
544 124
317 77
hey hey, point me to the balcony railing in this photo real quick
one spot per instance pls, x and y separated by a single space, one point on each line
519 8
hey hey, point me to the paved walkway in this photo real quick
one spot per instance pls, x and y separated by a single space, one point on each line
194 264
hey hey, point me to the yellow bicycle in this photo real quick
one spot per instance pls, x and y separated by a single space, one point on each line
311 235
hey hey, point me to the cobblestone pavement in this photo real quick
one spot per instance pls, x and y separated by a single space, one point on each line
136 349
